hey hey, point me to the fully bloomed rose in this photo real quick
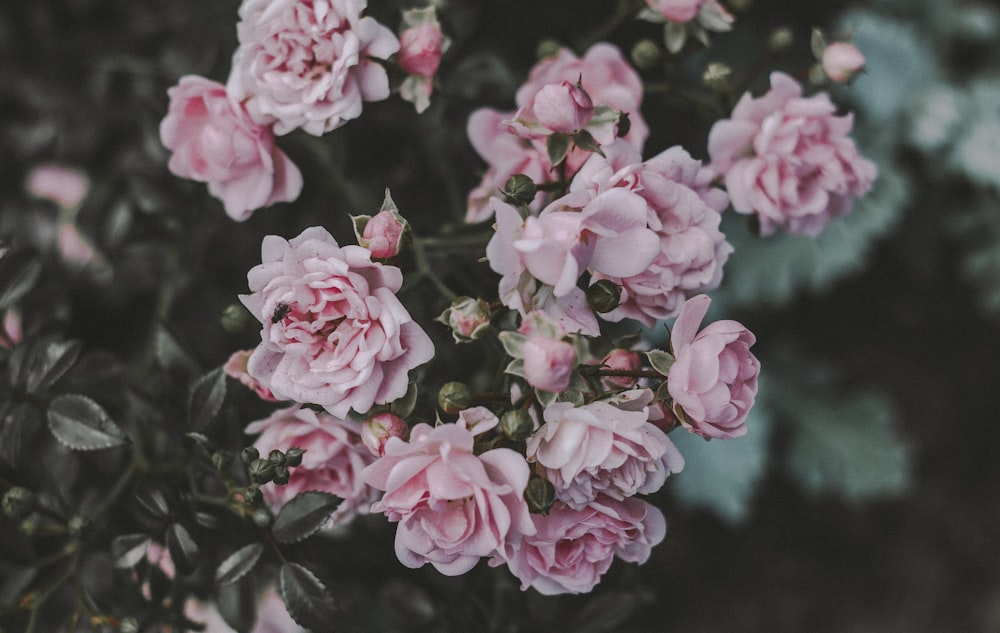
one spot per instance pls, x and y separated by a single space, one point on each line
214 141
713 381
334 333
453 506
333 460
788 159
573 548
599 448
309 63
683 211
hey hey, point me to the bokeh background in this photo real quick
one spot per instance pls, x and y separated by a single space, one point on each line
864 499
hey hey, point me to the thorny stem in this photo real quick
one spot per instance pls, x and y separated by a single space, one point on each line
630 373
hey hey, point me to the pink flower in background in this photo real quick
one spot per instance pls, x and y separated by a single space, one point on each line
562 108
214 141
421 45
63 185
682 210
333 460
714 379
841 61
334 333
453 506
11 327
679 11
308 63
272 616
788 159
236 367
573 548
599 448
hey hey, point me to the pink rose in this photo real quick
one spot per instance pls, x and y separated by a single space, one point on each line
214 141
548 364
453 506
420 49
383 235
679 11
63 185
789 159
468 318
598 448
713 381
841 61
309 63
378 428
333 460
334 333
683 211
573 548
621 360
562 108
236 367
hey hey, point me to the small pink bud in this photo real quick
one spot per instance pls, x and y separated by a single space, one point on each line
564 108
468 318
383 235
420 49
548 363
621 360
841 61
377 430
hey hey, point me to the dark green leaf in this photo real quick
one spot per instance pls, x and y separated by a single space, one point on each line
404 406
206 398
152 502
183 549
585 140
18 273
51 359
557 146
18 424
172 356
238 564
81 424
308 601
128 549
238 603
304 515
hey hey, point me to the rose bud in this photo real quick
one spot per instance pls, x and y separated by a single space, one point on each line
841 61
377 430
468 319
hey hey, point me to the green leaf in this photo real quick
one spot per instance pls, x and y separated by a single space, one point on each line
152 502
238 564
404 406
18 424
183 549
308 601
19 271
660 360
238 603
207 395
128 549
585 141
304 515
81 424
512 343
557 146
51 360
172 355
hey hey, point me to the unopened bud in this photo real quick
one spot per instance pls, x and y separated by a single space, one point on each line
646 54
236 318
261 517
79 527
260 471
129 625
519 190
382 234
453 397
221 459
780 39
248 454
468 318
18 503
276 457
281 475
377 430
540 495
718 78
547 48
293 456
841 61
517 425
603 296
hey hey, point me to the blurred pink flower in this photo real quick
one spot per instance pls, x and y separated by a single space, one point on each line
308 63
714 378
573 548
679 11
788 159
214 141
453 506
333 460
272 616
841 61
63 185
334 332
236 367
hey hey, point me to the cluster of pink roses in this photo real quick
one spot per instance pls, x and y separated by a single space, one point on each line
300 64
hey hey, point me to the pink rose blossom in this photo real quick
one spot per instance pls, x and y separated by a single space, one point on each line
713 382
420 49
214 141
236 367
333 460
334 333
679 11
309 63
608 80
548 364
789 159
683 211
63 185
453 506
599 448
841 61
562 108
377 430
573 548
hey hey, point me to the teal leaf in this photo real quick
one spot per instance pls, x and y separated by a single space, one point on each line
81 424
238 564
308 601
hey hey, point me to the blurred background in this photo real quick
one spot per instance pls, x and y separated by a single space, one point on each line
864 499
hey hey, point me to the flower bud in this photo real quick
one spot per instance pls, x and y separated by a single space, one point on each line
221 459
248 454
276 457
540 495
454 396
468 319
841 61
261 517
548 363
718 78
18 503
621 360
261 471
128 625
236 318
420 46
646 54
564 108
517 425
377 430
281 475
384 233
293 456
603 296
519 190
780 39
